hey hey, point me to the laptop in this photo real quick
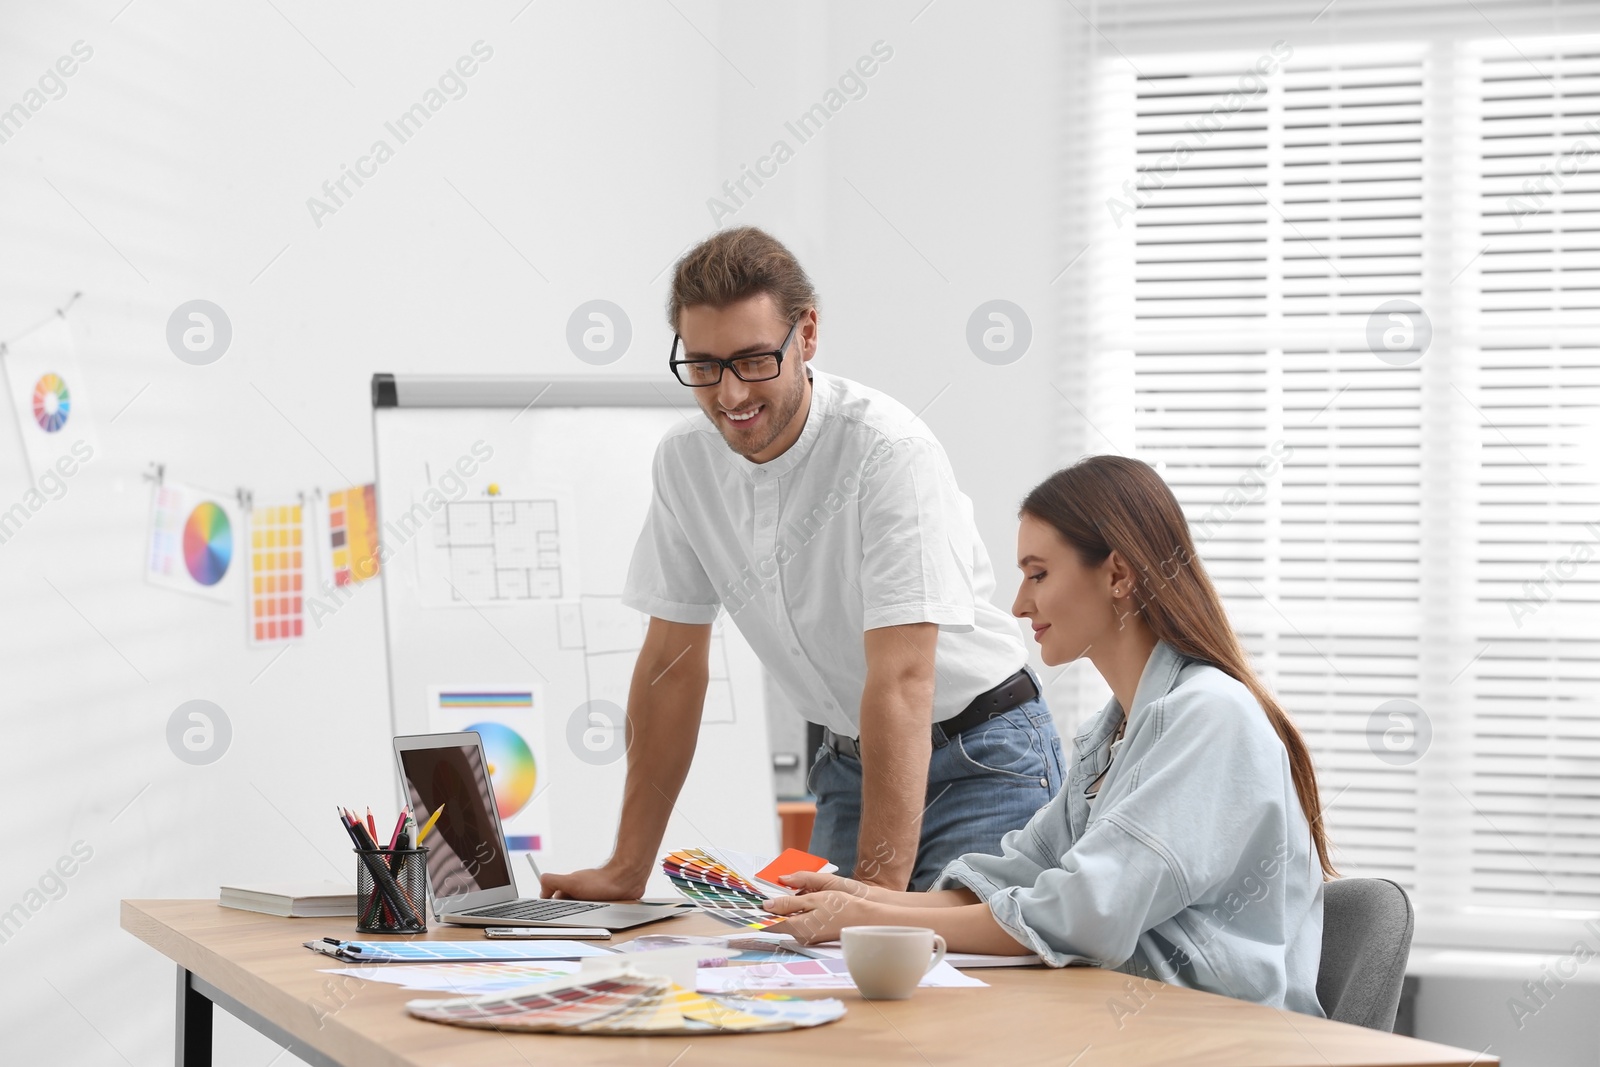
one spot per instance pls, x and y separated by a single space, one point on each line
469 869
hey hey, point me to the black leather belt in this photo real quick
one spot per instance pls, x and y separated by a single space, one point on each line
1015 690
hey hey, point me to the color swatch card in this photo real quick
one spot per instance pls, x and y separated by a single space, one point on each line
47 395
739 948
349 521
192 541
625 1002
792 861
277 574
813 974
455 951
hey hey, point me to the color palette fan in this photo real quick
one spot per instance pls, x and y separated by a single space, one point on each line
717 889
625 1002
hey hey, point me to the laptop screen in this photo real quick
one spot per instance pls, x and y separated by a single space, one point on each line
466 852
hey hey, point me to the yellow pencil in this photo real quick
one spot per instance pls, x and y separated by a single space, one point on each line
423 836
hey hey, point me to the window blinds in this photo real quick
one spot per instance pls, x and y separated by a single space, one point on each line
1370 375
1534 111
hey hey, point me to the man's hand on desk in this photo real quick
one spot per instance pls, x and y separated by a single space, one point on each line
610 882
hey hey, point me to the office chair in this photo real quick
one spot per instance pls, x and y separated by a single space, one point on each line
1366 939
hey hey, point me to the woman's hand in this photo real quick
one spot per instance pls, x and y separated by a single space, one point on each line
803 882
819 914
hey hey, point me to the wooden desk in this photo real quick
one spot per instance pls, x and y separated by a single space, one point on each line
255 967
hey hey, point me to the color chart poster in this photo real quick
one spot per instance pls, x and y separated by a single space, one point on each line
349 533
193 541
278 544
47 394
511 721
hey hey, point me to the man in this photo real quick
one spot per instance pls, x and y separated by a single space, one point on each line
835 536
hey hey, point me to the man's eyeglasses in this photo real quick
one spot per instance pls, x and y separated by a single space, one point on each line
756 367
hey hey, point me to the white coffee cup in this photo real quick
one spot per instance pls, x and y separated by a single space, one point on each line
887 962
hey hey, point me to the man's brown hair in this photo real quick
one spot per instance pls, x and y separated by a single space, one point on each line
735 264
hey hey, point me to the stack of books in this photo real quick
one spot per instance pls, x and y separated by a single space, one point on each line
294 900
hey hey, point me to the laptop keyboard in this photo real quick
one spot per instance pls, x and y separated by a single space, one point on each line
534 910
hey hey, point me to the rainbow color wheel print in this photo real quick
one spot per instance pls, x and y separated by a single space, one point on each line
512 771
207 543
51 402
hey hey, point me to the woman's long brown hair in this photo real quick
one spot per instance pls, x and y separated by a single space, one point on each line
1106 503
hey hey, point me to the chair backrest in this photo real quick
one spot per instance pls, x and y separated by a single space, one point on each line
1366 940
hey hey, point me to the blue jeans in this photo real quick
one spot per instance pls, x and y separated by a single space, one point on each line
981 784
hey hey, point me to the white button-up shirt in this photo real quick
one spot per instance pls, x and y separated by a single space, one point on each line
858 525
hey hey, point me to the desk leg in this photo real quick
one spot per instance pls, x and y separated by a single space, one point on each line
197 998
194 1024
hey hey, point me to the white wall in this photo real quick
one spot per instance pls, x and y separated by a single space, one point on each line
177 166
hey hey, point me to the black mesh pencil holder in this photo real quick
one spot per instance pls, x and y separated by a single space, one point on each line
391 891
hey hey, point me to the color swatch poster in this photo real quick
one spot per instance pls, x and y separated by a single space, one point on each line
47 394
193 541
511 721
350 534
278 545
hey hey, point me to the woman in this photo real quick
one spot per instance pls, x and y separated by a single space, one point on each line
1187 845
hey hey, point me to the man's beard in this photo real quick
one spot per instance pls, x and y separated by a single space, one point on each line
779 414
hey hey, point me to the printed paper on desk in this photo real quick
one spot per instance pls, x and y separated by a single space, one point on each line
960 960
813 974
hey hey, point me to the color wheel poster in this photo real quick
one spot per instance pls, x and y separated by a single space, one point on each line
48 398
510 719
194 539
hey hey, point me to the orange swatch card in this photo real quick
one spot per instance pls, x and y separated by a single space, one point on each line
789 861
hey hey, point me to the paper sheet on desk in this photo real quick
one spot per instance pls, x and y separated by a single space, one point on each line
959 960
463 979
478 979
812 974
754 948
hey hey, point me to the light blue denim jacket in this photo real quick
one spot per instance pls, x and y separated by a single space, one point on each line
1193 866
